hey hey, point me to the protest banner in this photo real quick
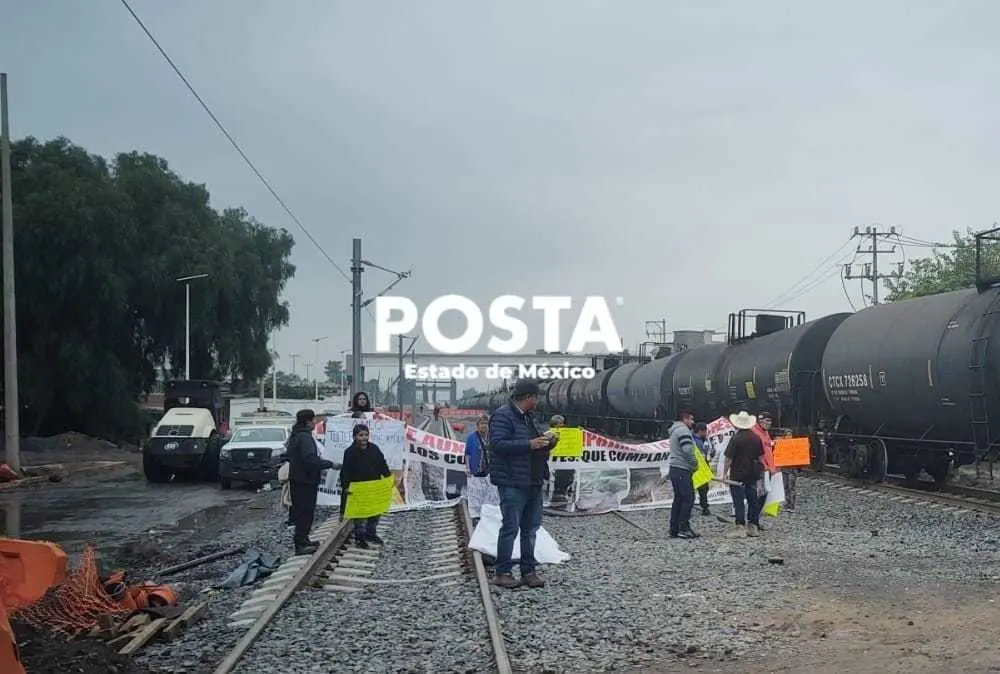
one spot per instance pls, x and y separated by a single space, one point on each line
602 475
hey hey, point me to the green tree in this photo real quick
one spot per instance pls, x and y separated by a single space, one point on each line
334 371
99 246
947 268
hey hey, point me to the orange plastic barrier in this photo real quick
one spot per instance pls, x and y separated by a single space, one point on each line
10 661
791 452
29 568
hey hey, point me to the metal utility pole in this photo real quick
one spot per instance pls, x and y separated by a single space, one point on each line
316 341
308 365
401 379
358 303
872 235
262 380
293 356
12 407
356 291
186 280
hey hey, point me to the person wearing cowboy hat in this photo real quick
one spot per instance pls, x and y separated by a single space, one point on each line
743 467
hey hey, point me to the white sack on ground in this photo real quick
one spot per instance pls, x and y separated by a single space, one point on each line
484 539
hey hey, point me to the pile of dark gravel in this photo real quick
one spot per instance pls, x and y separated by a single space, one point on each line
43 653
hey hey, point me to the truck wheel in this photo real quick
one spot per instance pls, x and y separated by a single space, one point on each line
225 483
154 472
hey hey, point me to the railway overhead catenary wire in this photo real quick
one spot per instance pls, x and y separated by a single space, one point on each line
239 149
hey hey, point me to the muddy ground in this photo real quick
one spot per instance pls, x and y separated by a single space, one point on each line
131 524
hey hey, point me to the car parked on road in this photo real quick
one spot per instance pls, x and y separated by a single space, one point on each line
252 454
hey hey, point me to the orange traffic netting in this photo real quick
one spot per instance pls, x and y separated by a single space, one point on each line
76 604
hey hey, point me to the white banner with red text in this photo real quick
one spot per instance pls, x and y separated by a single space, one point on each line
430 471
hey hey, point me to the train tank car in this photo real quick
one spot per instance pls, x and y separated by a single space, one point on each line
650 391
913 386
694 386
618 405
779 373
587 401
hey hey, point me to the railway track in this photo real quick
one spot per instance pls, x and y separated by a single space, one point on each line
436 556
951 497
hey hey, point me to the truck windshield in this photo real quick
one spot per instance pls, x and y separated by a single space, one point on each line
259 435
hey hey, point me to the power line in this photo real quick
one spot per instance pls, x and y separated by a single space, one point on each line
233 142
791 290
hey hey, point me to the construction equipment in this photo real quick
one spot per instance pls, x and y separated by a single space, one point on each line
185 443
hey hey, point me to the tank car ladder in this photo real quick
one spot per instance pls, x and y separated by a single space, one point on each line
978 404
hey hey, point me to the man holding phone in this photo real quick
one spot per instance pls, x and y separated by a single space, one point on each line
518 465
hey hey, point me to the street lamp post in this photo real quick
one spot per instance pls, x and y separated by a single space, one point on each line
308 365
316 341
186 280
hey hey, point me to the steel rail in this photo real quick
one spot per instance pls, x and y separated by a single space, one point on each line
327 549
492 620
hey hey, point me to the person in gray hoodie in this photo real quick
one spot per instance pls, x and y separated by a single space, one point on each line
681 465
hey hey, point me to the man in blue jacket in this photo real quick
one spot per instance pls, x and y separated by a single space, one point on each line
519 464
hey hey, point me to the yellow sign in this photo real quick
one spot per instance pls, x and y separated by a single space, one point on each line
704 474
570 443
369 498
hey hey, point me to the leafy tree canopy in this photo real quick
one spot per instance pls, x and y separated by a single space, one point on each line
98 248
948 268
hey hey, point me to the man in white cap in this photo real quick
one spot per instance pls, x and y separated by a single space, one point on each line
743 468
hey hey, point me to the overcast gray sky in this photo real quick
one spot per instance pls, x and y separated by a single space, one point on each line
692 161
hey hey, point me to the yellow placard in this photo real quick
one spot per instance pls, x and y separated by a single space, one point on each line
369 498
704 474
570 443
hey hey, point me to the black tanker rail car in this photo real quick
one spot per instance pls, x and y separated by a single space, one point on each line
780 373
588 400
695 386
617 403
913 385
650 391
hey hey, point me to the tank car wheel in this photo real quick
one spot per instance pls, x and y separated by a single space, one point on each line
819 454
878 460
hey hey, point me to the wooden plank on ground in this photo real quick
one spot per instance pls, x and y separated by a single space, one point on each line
143 637
190 615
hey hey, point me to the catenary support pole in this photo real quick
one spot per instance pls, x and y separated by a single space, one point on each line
356 269
187 331
12 426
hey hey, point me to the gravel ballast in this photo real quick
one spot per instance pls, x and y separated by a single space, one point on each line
420 627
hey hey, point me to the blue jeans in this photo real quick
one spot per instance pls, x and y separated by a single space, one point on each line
750 511
365 528
521 508
680 507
